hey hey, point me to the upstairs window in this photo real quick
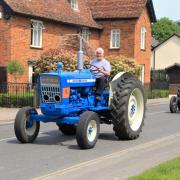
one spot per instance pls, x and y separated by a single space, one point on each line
36 33
143 38
74 4
115 39
85 34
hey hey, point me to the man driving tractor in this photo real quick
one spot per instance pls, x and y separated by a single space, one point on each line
101 68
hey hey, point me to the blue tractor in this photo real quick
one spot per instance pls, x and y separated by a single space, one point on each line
68 99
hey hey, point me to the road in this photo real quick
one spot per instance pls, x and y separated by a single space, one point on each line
54 156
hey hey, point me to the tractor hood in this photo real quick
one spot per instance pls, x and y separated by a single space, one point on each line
81 78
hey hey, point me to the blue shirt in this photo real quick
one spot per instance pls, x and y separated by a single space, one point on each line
102 64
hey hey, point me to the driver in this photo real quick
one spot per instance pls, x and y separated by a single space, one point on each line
102 72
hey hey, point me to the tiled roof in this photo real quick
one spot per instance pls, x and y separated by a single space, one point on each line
105 9
58 10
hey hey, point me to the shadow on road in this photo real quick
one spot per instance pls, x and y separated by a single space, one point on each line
55 137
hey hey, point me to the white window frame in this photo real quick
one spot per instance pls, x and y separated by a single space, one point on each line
115 39
1 15
36 33
85 34
74 4
143 38
142 73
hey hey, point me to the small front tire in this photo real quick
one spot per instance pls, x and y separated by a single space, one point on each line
26 131
88 129
173 104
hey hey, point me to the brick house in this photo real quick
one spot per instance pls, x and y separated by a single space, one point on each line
30 27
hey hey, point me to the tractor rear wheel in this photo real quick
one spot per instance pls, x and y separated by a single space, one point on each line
128 108
67 129
26 130
173 104
88 129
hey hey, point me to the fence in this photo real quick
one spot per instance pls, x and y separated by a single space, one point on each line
16 95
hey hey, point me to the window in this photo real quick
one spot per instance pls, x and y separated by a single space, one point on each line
74 4
85 34
36 33
115 39
143 38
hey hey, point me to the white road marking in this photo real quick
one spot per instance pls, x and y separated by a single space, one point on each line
153 143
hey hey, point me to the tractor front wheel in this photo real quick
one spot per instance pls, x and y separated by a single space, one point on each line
87 131
173 104
26 130
67 129
128 107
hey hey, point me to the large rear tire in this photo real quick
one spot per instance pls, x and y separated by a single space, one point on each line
128 107
26 131
88 129
173 104
67 129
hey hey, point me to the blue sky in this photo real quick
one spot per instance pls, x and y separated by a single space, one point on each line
167 8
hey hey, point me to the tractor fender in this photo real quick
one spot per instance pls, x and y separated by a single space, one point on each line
113 84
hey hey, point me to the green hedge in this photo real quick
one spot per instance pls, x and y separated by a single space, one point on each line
16 100
156 93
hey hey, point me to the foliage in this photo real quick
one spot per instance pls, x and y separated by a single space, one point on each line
156 93
48 62
122 63
164 28
16 100
166 171
15 68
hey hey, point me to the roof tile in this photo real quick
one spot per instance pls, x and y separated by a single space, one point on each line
58 10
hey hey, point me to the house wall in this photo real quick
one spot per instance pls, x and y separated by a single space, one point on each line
166 54
4 40
143 56
20 38
127 37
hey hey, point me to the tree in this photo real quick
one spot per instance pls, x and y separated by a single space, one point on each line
16 69
164 28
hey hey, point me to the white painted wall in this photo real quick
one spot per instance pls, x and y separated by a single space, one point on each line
166 54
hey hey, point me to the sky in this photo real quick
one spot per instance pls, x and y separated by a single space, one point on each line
167 8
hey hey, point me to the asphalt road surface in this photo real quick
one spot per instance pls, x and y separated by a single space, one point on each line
55 156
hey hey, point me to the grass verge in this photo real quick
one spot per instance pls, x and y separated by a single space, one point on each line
167 171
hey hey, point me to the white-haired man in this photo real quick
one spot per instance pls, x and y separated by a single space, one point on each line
101 72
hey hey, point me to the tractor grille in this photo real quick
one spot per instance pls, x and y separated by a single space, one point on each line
50 89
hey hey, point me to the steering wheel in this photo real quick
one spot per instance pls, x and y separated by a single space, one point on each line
94 71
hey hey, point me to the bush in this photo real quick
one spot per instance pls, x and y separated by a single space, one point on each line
48 61
122 63
16 100
15 68
155 93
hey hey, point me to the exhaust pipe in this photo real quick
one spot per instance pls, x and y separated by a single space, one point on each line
80 55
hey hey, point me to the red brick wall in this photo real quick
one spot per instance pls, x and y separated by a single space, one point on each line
127 37
143 56
4 40
20 38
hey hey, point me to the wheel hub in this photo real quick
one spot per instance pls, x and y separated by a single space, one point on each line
92 130
135 109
